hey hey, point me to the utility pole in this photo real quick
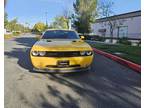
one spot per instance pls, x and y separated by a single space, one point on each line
69 20
46 18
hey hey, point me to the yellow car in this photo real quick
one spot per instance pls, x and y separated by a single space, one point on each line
61 51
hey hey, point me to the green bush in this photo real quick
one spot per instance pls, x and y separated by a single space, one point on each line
16 33
99 38
124 41
139 43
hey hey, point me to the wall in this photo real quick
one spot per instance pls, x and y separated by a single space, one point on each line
133 24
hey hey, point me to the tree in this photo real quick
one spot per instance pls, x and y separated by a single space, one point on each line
105 9
14 26
67 14
60 22
5 19
11 25
85 14
39 27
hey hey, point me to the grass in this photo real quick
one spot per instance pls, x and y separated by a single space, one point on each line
8 36
16 33
131 53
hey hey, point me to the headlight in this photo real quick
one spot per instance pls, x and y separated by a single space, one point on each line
38 53
88 53
82 53
35 53
42 53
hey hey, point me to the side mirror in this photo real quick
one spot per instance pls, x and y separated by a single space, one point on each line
82 37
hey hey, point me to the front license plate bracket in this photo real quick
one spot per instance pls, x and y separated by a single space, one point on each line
63 63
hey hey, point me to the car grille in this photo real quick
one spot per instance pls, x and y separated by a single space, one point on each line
63 66
63 54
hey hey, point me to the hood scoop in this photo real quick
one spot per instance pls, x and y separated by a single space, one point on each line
76 41
48 41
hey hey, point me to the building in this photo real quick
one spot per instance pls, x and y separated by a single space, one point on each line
7 32
124 25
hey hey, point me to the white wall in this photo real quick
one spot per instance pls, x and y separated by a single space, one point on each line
134 27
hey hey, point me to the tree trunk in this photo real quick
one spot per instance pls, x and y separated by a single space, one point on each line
111 33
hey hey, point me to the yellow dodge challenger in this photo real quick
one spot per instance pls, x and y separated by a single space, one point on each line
61 51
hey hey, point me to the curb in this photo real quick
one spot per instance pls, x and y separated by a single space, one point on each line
122 61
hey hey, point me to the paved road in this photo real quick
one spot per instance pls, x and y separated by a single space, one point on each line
108 85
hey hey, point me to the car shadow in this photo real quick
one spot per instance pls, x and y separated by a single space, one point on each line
25 41
22 54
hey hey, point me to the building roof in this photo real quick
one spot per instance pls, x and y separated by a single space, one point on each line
121 16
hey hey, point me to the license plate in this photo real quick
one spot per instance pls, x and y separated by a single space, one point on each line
63 63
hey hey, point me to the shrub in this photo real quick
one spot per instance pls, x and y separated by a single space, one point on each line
101 39
98 38
124 41
16 33
139 43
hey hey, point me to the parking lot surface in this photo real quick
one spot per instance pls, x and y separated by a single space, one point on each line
108 85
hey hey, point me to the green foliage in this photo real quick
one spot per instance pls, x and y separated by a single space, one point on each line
85 14
5 19
46 26
14 26
60 22
95 38
124 40
39 27
16 33
139 43
99 38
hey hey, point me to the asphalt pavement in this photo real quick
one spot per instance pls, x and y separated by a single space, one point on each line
108 85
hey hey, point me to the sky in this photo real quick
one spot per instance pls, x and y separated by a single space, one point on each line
32 11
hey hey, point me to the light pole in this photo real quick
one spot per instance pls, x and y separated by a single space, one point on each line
46 18
69 23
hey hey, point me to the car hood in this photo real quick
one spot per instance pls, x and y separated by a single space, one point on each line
61 45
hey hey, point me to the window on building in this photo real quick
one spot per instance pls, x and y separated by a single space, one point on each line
102 32
122 31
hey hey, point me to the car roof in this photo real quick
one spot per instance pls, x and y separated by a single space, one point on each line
60 29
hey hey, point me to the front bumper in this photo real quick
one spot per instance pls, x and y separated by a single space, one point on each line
52 62
62 70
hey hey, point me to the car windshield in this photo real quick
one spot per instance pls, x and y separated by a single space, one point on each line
60 34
